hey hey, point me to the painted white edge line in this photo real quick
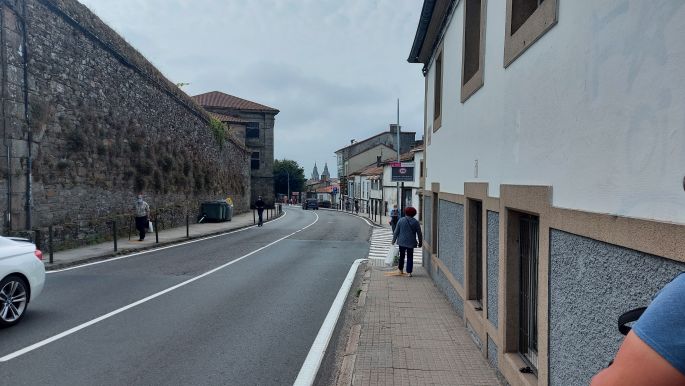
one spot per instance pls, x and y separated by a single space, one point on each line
161 248
310 368
72 330
354 215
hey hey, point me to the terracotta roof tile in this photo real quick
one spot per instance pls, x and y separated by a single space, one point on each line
228 118
372 170
219 99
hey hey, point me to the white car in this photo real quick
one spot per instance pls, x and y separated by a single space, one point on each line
22 276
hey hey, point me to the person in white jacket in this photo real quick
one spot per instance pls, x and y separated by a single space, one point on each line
141 213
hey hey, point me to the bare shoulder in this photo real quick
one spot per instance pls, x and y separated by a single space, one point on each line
636 364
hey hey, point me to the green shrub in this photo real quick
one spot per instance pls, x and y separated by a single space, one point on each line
219 131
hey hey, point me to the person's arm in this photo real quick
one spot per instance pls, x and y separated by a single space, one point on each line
636 363
419 234
396 233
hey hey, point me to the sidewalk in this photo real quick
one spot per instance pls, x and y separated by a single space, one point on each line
410 335
124 245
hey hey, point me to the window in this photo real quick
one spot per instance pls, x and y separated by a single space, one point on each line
527 21
255 160
252 130
475 262
437 93
528 288
474 47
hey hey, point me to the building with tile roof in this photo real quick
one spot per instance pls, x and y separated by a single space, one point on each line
253 124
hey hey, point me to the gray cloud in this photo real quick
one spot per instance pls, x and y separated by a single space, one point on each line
334 68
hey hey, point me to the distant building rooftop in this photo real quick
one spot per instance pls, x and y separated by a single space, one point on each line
220 99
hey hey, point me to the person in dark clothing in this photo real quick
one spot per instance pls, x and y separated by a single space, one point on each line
141 214
406 233
394 217
260 210
356 206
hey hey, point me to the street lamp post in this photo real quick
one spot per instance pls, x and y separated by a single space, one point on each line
288 174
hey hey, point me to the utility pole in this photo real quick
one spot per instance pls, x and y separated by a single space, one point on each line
399 194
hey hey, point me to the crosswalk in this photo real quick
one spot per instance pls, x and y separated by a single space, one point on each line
380 243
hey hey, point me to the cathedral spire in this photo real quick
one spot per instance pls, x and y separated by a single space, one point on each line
326 175
315 173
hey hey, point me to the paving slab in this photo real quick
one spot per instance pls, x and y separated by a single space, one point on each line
410 335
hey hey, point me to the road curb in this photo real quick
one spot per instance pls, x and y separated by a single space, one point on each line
310 367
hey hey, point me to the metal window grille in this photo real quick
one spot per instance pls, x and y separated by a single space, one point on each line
528 298
478 207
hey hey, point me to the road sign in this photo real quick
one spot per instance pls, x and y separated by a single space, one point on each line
402 172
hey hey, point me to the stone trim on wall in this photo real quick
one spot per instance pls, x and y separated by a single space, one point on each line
541 21
470 87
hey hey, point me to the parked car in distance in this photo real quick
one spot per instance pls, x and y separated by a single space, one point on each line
310 203
22 277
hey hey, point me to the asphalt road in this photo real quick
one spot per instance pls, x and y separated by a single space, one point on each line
250 322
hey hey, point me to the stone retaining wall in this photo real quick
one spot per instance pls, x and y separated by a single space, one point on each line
104 124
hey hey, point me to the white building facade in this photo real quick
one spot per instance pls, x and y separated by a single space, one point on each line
554 171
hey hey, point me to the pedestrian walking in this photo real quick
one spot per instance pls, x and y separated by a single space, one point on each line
394 217
259 204
141 214
406 233
356 206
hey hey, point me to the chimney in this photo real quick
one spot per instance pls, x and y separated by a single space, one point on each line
393 128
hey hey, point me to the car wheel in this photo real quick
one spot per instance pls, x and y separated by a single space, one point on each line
14 298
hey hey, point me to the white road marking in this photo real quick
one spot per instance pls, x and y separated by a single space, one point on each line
162 248
311 364
353 215
139 302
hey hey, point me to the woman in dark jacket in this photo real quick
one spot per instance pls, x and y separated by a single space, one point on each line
406 233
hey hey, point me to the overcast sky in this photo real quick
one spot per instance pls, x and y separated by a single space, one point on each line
334 68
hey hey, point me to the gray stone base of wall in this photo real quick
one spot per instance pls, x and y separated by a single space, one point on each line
591 284
452 296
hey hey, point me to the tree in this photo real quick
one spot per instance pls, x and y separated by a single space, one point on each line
281 170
